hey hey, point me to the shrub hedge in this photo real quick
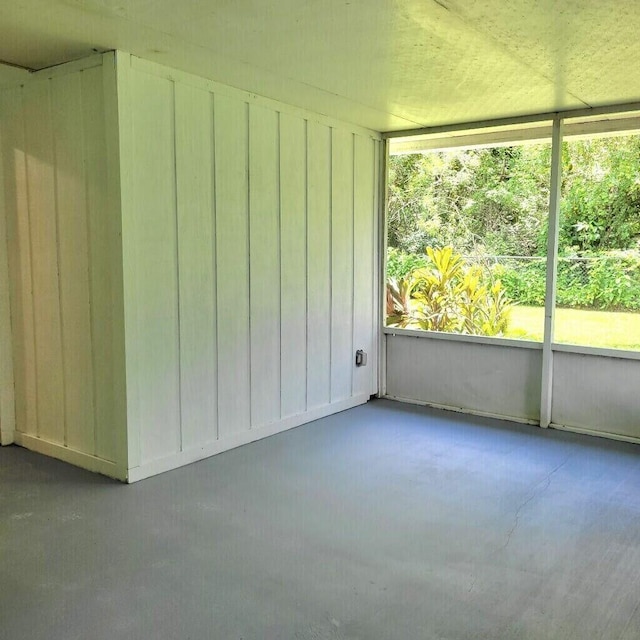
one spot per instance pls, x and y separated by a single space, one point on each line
608 280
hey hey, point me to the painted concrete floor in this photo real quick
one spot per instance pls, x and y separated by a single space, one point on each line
383 522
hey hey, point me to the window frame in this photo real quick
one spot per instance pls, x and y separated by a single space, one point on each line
565 125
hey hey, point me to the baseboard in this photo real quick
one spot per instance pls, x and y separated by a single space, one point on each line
7 437
472 412
210 449
594 432
560 427
77 458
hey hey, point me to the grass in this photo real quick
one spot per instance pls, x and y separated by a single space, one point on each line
611 329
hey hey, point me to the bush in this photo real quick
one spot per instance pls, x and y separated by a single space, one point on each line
444 295
614 280
401 265
607 281
524 283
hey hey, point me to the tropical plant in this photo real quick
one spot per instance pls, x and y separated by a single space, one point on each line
400 307
446 295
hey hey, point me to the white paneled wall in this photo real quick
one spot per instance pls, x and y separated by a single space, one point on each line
591 393
250 252
490 379
190 267
61 213
7 394
318 249
596 394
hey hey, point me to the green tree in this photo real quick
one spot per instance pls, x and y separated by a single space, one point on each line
480 200
495 201
600 206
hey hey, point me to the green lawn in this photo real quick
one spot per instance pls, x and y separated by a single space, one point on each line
612 329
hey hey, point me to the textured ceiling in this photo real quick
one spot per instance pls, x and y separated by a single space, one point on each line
384 64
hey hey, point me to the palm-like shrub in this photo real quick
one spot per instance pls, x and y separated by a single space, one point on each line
447 296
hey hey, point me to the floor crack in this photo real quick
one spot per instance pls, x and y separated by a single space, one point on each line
535 493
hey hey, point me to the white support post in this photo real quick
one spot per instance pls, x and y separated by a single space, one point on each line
552 272
382 270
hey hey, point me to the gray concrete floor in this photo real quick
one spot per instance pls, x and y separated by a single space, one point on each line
383 522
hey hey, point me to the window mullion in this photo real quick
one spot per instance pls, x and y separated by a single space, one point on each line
552 272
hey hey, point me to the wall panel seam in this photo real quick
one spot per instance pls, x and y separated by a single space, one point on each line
279 249
247 109
353 259
176 217
7 422
306 263
214 257
33 337
87 213
331 187
56 207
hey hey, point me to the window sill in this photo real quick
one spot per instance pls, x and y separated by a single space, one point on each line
602 352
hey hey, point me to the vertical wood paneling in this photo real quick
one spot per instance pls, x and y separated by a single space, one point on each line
71 205
196 253
232 247
112 435
152 289
125 80
16 206
44 261
64 220
208 250
293 264
342 352
7 399
7 395
264 265
318 265
363 248
103 241
281 263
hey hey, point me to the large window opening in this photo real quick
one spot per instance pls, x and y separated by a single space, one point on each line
468 225
598 287
467 234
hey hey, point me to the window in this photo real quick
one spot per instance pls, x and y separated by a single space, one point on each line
467 233
468 230
598 286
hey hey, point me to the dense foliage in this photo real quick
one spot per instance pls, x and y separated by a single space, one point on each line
493 203
610 280
495 200
447 295
482 200
600 207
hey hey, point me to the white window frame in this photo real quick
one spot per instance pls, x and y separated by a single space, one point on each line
502 132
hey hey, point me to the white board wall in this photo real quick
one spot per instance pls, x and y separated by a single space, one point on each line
7 395
249 236
60 211
590 393
470 376
596 394
190 267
